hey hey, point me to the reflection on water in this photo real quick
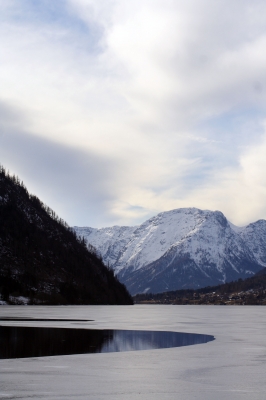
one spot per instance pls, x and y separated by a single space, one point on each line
20 342
123 340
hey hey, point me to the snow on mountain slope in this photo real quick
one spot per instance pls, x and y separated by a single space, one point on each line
254 235
180 248
235 228
155 236
109 242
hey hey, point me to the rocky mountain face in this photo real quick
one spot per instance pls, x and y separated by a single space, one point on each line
43 260
178 249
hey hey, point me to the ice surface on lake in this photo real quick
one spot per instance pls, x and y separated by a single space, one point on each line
231 367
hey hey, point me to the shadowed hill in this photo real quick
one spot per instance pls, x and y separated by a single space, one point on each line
43 259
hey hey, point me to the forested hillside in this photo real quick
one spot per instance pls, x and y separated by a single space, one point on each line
42 259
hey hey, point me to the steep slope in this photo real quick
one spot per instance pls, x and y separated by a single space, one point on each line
42 258
179 249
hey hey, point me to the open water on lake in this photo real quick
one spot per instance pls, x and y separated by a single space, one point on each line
21 342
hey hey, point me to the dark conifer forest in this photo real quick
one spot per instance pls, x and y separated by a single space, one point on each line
42 258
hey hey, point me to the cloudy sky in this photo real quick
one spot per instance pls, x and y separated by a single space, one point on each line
114 110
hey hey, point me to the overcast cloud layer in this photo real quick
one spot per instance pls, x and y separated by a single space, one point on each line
114 110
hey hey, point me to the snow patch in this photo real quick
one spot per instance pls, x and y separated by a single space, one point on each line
146 290
20 300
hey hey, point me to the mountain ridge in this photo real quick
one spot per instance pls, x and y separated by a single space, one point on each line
180 248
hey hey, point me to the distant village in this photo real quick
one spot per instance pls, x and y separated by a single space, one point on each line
249 297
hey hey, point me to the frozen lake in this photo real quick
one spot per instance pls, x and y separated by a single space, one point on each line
233 366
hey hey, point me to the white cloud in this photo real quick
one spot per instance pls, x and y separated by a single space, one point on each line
174 91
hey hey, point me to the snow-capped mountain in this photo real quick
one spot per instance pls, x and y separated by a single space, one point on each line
181 248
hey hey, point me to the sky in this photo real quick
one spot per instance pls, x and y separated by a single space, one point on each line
112 111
